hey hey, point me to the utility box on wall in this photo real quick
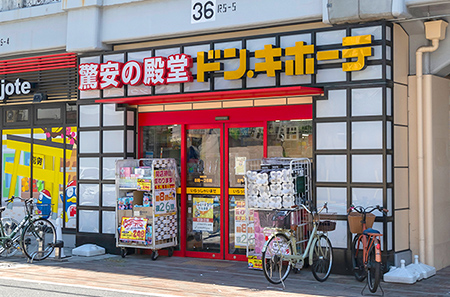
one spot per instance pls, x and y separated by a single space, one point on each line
353 11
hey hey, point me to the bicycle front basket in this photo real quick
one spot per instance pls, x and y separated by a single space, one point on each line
354 221
326 226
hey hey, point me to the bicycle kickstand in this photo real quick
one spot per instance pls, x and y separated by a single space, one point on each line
382 291
362 291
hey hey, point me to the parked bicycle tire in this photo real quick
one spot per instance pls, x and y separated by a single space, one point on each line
275 269
357 259
9 225
322 258
38 239
373 270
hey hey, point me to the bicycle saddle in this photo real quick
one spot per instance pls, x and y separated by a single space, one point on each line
370 230
2 209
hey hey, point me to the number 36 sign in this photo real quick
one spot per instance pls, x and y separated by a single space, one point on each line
203 11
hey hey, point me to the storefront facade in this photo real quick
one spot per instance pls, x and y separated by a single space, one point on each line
39 134
325 94
300 79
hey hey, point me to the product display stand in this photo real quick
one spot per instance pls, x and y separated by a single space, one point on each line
146 209
271 186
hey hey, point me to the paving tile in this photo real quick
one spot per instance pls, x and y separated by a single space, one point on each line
200 277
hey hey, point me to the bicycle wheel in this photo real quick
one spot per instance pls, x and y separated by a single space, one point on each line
9 225
322 258
357 259
373 270
276 268
38 239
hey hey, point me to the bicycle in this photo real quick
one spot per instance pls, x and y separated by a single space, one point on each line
9 225
281 251
35 236
366 247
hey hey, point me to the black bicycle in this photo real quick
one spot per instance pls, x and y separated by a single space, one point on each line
36 236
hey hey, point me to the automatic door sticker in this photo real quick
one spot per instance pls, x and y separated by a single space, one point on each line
203 214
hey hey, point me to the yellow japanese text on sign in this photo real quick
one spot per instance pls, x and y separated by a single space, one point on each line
144 184
165 192
133 229
203 191
38 161
300 59
203 216
236 191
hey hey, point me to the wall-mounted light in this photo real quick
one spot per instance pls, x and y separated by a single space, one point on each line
38 97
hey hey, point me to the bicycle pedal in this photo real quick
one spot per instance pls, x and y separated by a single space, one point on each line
298 265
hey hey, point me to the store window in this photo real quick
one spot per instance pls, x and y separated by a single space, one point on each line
48 114
71 114
290 139
39 161
162 142
16 116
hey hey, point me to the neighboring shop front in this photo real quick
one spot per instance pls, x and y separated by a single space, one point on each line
214 101
38 98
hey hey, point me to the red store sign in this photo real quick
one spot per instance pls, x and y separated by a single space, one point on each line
153 71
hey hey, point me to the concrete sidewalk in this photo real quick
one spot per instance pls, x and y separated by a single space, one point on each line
177 276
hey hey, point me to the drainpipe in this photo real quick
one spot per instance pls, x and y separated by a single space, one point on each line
434 31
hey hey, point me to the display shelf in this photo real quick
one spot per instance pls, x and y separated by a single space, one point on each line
274 185
146 213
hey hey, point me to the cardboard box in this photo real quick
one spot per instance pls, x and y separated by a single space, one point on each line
138 198
123 213
143 212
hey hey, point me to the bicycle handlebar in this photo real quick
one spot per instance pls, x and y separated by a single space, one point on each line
363 210
11 200
325 206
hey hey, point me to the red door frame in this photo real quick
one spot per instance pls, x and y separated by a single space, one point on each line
239 116
227 177
184 164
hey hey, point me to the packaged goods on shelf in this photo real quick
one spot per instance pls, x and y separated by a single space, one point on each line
139 183
273 186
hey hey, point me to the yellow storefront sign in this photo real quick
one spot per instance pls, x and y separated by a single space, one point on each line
236 191
203 191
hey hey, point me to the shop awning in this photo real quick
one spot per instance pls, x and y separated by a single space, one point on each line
218 95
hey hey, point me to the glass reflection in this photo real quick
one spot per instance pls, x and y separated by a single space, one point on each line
244 144
203 176
290 139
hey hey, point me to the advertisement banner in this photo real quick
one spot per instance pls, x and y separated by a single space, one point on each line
203 216
133 229
239 168
165 192
244 234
